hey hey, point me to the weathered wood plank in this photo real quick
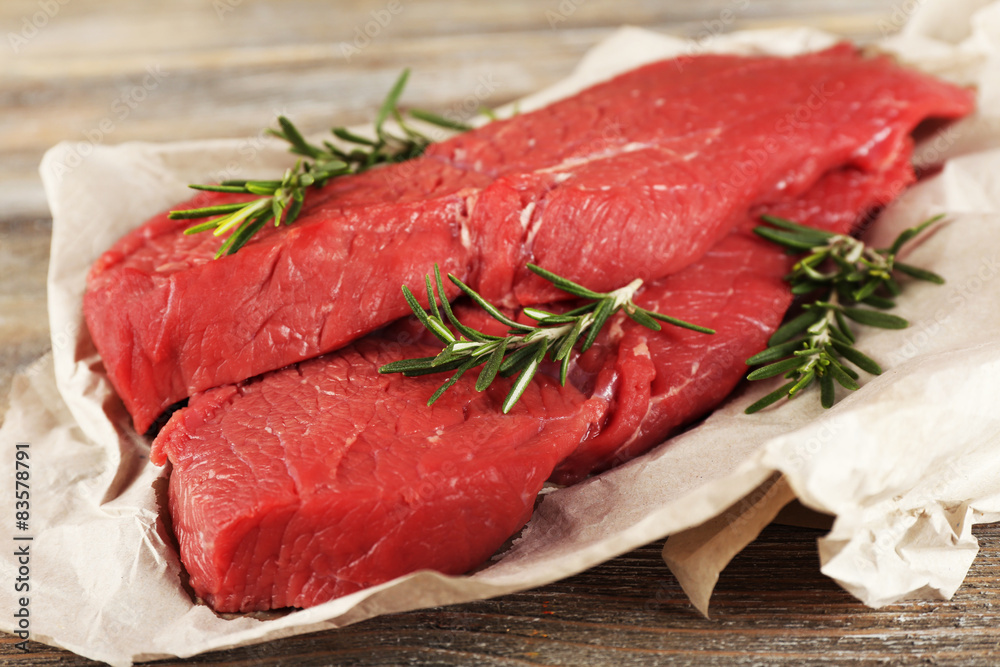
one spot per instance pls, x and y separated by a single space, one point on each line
772 607
223 69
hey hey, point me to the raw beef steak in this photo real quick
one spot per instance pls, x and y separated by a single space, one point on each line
639 175
326 477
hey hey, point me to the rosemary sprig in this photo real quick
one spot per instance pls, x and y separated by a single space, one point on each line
841 274
281 201
525 346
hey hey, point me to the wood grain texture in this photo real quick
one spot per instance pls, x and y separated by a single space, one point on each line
772 607
225 69
229 65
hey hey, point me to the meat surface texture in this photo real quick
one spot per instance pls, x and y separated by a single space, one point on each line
662 381
325 477
635 177
322 479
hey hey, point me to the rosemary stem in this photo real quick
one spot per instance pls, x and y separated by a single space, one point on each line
623 295
525 346
283 200
237 218
843 275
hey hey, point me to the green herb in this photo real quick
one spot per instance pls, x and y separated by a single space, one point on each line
525 346
281 201
841 275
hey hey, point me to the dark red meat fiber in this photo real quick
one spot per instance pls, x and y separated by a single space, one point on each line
637 176
326 477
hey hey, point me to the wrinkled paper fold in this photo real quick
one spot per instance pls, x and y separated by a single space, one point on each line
907 464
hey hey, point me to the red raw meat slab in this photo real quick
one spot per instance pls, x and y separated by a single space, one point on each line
326 477
639 175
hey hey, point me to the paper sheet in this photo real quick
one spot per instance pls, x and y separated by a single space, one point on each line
907 464
698 555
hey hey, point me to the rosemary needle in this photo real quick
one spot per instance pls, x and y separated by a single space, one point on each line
525 346
280 201
842 276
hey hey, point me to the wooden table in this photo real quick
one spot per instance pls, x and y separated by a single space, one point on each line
76 70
